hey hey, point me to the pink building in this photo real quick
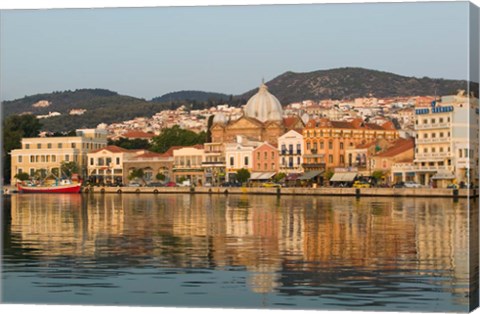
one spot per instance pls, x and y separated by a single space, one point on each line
265 159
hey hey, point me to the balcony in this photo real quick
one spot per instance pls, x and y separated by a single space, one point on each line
285 152
313 165
432 140
429 126
213 164
432 155
407 167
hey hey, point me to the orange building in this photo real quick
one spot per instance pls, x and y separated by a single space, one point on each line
326 141
265 158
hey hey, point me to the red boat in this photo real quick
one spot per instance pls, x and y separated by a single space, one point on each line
65 186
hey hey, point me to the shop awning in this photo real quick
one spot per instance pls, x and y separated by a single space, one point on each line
310 175
443 176
343 177
293 176
261 175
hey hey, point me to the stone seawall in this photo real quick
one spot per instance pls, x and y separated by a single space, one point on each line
387 192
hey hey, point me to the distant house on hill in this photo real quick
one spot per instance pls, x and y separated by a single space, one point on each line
132 135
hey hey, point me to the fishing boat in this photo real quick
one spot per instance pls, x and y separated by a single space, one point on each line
61 186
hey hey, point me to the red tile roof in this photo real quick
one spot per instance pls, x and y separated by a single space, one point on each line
399 146
137 134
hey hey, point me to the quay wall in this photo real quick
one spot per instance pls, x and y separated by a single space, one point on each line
324 191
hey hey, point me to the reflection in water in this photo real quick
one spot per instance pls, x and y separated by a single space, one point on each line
238 251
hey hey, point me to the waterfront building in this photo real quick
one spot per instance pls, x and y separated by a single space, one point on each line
239 155
187 164
105 165
47 153
291 148
447 141
326 141
214 164
401 151
152 164
265 162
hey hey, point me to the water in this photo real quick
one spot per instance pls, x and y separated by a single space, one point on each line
291 252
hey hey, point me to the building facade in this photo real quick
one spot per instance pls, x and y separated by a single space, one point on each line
291 148
188 164
48 153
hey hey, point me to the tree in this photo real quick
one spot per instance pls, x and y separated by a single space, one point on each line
209 126
137 173
68 168
126 143
160 177
243 175
176 136
22 176
14 129
279 177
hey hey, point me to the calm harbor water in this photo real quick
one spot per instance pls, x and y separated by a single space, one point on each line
237 251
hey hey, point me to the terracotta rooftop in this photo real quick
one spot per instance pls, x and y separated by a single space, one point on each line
137 134
150 154
399 146
354 124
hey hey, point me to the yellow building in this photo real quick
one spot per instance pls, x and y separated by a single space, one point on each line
49 152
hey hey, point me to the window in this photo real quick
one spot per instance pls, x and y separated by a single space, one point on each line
246 160
441 134
49 145
299 148
341 145
109 161
321 145
39 145
433 135
73 145
47 158
20 170
330 158
440 120
265 166
32 159
19 159
67 157
118 160
433 121
460 153
273 155
342 159
433 149
298 160
59 145
425 150
315 145
283 161
265 155
32 172
258 166
425 121
37 158
232 161
441 149
54 158
258 155
43 158
466 152
425 135
308 145
330 145
27 146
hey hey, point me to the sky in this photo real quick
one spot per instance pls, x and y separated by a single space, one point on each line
147 52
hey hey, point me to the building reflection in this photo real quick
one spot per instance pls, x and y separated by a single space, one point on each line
280 242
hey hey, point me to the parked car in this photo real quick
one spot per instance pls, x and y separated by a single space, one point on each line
171 184
411 184
271 185
155 184
134 184
231 184
207 184
361 184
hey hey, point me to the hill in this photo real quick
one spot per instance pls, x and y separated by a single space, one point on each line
350 83
191 95
101 106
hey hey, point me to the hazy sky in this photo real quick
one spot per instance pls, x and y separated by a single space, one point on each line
147 52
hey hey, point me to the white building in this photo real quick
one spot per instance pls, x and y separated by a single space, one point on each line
291 148
239 155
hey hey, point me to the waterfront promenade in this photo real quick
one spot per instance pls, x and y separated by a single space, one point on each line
324 191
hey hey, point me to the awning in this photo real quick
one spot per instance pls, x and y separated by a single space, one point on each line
443 176
261 175
310 175
343 177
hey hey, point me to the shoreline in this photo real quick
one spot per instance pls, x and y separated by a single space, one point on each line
322 191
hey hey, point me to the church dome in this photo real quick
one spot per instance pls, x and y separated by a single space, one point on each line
263 106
